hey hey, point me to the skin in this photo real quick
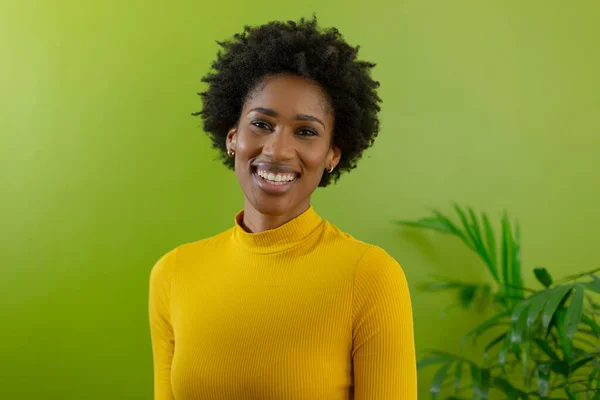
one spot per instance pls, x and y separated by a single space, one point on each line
286 125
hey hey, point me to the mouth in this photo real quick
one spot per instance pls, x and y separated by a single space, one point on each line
274 180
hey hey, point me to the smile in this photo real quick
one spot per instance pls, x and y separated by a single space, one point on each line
275 178
274 182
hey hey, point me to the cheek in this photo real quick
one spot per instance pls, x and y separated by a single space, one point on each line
242 145
314 163
246 147
316 158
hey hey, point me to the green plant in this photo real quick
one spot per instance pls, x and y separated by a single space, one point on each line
503 264
539 343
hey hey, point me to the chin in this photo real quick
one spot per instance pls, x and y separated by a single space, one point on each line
273 205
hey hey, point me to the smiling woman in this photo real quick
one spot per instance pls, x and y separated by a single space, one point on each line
284 305
285 131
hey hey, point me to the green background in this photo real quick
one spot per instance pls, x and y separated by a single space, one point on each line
493 104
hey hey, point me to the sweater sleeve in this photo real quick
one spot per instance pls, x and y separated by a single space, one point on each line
161 330
383 350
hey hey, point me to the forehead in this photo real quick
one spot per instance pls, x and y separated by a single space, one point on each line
289 95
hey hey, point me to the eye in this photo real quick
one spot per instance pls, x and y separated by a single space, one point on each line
261 125
307 132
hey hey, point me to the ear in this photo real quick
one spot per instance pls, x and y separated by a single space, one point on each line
230 140
333 157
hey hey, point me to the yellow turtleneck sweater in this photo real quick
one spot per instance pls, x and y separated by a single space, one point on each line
300 312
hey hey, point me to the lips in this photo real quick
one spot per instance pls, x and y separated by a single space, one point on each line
274 179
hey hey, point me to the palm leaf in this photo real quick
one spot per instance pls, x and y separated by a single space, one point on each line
504 349
515 265
552 334
467 295
466 226
458 375
520 327
431 223
580 275
594 285
491 244
590 383
580 363
546 349
525 362
597 397
482 250
554 300
591 323
562 335
588 332
453 228
494 342
476 379
543 276
537 303
519 309
561 367
542 373
580 339
506 254
484 326
516 349
574 311
485 383
509 390
473 232
438 379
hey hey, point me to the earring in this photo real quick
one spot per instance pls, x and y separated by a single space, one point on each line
230 153
330 169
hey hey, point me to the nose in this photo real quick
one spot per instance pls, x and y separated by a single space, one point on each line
279 145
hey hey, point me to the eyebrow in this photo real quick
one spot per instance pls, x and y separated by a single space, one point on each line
299 117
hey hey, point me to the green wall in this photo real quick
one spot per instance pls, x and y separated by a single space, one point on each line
102 168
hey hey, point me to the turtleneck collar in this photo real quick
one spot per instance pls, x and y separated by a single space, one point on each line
284 237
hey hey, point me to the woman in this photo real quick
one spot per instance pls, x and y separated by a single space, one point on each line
284 305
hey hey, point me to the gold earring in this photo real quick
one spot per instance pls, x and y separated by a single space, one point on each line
330 169
230 153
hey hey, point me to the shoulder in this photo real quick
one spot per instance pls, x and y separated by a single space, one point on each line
204 247
346 242
380 281
372 258
369 253
164 267
372 262
378 264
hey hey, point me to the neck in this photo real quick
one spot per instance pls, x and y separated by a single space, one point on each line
256 221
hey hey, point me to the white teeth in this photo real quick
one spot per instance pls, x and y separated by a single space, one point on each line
276 178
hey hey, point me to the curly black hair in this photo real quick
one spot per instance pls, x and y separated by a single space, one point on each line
300 48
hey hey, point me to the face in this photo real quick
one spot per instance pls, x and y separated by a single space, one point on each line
283 144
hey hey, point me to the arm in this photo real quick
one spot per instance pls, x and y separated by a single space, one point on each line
161 331
383 349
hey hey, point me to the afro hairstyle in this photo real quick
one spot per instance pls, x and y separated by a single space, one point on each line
300 48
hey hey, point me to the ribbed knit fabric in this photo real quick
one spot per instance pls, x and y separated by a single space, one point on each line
300 312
